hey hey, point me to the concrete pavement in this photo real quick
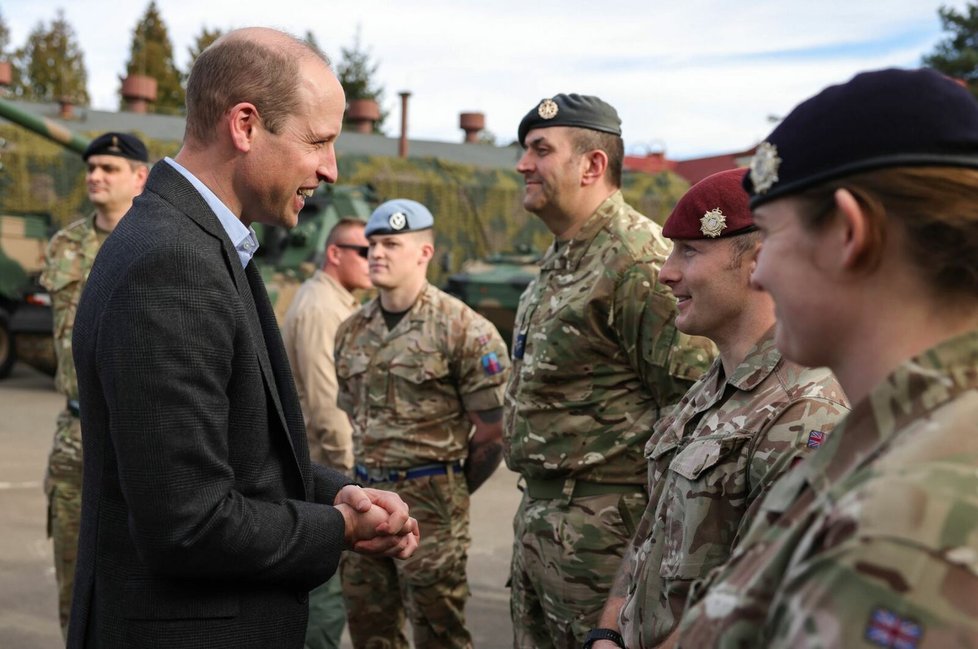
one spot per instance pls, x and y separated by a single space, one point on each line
28 608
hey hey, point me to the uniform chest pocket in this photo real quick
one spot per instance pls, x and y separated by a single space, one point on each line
419 386
703 502
351 372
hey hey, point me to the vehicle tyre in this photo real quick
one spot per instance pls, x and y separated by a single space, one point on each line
7 351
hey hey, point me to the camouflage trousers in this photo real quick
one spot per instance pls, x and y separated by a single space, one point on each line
327 615
62 484
64 518
565 557
430 587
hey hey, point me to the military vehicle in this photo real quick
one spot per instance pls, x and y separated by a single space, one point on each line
285 257
23 238
493 286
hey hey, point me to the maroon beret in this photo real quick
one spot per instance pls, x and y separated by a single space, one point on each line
716 206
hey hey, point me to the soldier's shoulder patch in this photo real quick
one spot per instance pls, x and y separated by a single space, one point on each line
490 364
815 438
887 629
483 340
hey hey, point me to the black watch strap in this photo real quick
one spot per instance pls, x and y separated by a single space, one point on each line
603 634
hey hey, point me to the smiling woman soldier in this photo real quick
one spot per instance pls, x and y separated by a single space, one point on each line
867 199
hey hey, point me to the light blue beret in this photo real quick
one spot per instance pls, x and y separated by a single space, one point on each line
399 216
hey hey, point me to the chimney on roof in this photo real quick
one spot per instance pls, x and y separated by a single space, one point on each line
138 91
6 74
472 124
66 108
402 146
361 114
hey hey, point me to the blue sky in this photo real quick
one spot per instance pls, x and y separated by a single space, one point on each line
693 78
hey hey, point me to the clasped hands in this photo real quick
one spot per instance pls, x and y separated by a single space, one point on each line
377 522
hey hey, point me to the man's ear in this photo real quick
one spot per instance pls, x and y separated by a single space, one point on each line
595 163
243 124
332 255
427 251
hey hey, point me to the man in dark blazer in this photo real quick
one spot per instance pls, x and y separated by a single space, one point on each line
203 522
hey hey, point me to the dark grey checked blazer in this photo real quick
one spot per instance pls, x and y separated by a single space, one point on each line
199 527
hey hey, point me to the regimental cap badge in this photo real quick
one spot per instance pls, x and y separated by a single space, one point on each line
547 109
764 167
397 221
713 223
114 146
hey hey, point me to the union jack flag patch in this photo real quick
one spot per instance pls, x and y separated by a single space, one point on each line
490 363
887 629
815 438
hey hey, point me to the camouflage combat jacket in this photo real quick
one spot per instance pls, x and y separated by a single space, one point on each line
69 260
725 444
596 353
873 541
407 391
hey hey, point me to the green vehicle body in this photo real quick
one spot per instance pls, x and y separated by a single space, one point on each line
493 286
23 238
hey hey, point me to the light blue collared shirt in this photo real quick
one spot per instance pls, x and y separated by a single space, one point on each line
242 238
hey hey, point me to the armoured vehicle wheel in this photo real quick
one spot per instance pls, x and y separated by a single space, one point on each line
7 354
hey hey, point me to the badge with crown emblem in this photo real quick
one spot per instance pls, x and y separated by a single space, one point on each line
713 223
764 167
397 221
547 109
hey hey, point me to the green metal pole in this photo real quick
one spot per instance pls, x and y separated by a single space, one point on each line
44 127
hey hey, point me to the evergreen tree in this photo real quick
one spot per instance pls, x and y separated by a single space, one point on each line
51 66
4 37
201 42
356 74
152 55
957 55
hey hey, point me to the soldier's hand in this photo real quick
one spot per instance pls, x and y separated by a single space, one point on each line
362 500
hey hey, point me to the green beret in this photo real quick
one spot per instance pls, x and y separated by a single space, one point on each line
117 144
582 111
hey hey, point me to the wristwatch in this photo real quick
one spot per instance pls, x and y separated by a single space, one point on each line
603 634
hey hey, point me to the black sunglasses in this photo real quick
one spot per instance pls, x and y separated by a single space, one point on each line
360 250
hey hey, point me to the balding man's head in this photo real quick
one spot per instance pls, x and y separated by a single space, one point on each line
256 65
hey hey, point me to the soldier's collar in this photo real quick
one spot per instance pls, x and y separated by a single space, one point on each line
570 252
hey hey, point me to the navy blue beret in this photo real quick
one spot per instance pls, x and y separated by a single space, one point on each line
885 118
117 144
714 207
399 216
582 111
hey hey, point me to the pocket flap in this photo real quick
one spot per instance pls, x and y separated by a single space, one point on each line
701 454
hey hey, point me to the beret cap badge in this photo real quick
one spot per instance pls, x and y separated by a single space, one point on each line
547 109
764 167
397 221
713 223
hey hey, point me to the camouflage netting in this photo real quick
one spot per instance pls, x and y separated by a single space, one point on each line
40 176
478 210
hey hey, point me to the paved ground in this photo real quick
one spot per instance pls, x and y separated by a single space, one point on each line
28 613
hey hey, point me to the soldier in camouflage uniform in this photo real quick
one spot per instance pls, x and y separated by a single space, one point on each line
117 170
595 359
866 198
737 429
417 371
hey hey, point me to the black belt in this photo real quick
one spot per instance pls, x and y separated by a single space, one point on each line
74 407
375 475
